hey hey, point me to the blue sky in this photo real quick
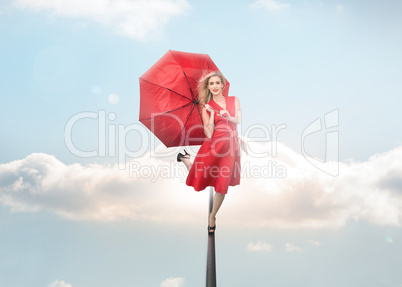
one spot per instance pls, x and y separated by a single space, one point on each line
333 218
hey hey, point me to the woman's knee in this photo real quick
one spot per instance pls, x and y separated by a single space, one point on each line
218 194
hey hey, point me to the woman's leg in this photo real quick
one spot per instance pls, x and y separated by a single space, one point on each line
187 162
218 199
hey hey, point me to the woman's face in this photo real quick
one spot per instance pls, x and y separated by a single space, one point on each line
215 85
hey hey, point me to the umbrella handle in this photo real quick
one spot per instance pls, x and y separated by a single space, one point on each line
217 112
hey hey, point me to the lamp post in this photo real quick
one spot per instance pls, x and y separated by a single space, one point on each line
211 267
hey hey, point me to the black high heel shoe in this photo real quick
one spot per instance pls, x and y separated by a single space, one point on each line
180 155
212 229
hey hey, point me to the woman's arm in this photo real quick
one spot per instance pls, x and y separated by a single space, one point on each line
237 118
208 121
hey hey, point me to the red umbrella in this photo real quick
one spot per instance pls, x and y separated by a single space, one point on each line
169 104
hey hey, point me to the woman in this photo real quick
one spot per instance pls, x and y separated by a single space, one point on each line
217 162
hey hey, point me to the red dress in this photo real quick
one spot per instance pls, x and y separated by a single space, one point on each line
217 162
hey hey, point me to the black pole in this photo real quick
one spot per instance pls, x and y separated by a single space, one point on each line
211 268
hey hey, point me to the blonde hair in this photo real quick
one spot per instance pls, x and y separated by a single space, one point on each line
204 95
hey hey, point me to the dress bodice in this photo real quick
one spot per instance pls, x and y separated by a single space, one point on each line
230 107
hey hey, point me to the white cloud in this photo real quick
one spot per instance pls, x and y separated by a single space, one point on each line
389 239
134 18
305 198
173 282
271 5
59 283
316 243
113 99
291 247
258 247
96 192
339 8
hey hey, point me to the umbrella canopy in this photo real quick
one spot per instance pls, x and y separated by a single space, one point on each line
169 105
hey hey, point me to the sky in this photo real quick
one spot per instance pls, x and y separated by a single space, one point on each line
89 197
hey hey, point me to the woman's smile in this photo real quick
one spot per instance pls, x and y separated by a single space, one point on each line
215 85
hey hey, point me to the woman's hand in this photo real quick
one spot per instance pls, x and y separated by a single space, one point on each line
224 114
209 108
237 117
